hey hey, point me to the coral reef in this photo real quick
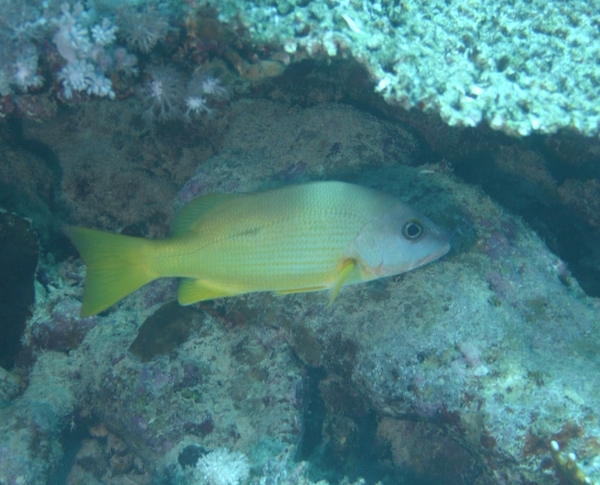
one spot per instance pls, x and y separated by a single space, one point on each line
31 448
166 97
477 369
163 94
567 465
460 363
85 50
469 63
142 27
82 47
518 71
222 467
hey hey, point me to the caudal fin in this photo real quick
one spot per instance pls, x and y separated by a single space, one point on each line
116 266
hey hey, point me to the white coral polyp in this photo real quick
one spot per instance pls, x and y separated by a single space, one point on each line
104 33
75 76
25 69
163 94
222 467
212 87
81 76
196 105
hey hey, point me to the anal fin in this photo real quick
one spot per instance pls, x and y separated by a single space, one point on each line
191 290
300 290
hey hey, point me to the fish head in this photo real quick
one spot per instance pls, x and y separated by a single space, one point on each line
397 239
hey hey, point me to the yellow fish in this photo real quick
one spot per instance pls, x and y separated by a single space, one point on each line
298 238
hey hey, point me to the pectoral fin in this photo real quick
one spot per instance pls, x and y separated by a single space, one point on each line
347 267
191 290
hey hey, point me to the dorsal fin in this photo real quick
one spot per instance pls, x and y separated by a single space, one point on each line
193 212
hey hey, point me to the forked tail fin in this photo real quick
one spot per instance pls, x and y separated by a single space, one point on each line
116 266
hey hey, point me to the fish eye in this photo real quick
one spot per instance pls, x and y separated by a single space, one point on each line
413 230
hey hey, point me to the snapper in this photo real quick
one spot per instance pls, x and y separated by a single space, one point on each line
299 238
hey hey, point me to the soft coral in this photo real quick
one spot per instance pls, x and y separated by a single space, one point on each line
164 94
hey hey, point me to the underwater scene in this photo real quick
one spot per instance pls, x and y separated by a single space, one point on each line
297 242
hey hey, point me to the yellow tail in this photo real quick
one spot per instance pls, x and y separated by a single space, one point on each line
116 266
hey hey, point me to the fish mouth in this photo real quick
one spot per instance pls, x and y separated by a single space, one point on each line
435 255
